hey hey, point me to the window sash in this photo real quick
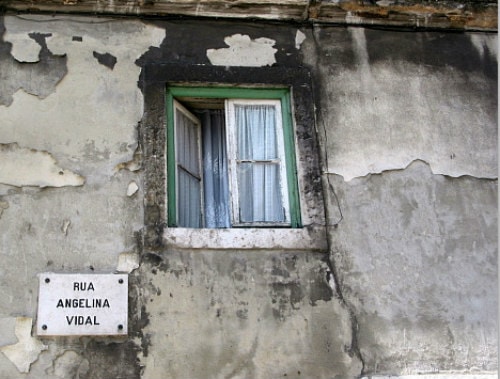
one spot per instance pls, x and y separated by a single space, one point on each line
256 152
280 94
188 172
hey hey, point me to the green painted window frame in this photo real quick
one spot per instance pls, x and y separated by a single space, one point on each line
282 94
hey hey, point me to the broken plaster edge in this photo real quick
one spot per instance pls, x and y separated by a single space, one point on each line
27 167
348 178
27 349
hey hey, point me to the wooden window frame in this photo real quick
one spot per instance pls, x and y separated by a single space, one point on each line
281 94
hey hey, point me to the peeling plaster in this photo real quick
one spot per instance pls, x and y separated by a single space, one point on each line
299 38
28 64
105 59
128 262
388 108
27 349
133 165
112 95
23 50
403 166
132 188
244 52
27 167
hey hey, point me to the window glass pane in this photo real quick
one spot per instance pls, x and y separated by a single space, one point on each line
187 143
260 193
256 132
189 211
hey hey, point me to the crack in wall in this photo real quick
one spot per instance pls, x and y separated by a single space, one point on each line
332 276
353 350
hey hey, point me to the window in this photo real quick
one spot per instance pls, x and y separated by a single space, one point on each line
230 158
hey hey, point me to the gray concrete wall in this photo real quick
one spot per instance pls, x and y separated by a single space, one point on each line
396 133
408 122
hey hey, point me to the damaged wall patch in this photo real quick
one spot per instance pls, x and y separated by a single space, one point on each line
105 59
244 52
27 167
27 349
41 72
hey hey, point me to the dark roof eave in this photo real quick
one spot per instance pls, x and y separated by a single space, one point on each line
472 15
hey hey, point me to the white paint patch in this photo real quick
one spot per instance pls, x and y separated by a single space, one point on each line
128 262
244 52
299 38
132 188
24 49
27 167
27 349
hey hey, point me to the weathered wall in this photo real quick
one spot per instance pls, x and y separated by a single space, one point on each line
69 126
409 127
402 146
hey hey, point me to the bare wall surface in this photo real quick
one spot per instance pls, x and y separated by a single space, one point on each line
408 124
394 97
244 315
402 146
416 257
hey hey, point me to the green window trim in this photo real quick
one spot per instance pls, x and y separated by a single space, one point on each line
282 94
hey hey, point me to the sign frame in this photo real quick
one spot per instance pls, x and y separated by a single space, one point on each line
82 305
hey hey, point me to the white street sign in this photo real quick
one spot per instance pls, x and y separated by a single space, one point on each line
82 304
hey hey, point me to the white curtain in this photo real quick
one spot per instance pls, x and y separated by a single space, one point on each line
215 177
260 198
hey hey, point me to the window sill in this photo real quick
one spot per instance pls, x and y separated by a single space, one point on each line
305 239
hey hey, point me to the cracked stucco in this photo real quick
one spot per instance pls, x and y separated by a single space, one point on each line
26 351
